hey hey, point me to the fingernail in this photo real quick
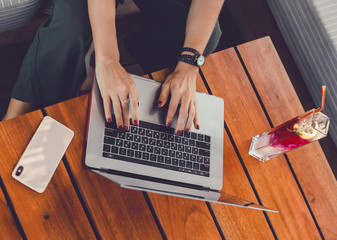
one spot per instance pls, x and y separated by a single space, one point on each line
187 130
138 104
125 128
120 127
135 122
197 127
159 103
178 132
109 120
168 125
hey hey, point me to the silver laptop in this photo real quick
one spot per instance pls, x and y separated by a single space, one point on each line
150 157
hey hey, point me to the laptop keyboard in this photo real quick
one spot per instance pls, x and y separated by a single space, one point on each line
156 145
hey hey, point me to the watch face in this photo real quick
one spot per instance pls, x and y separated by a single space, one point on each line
201 61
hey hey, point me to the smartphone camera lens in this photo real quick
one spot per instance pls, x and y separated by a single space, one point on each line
19 171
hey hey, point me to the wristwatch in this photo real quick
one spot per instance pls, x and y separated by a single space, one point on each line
196 60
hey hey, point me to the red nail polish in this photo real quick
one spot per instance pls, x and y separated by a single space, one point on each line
120 127
125 128
135 122
109 120
168 125
197 127
138 104
187 130
178 132
159 103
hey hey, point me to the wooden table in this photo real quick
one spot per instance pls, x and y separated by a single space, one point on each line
79 204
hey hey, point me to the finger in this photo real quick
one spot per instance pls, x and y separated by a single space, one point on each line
196 119
165 91
134 107
107 108
190 118
125 113
172 109
182 116
117 111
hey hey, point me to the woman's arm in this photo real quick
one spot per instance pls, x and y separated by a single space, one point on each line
181 84
114 82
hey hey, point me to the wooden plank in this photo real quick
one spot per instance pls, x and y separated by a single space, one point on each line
53 214
183 218
236 223
245 118
118 213
309 163
8 229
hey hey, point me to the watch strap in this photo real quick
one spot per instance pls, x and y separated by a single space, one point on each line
188 60
188 49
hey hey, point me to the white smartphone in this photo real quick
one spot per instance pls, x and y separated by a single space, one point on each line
43 154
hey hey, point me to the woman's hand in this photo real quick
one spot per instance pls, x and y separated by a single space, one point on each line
117 86
181 84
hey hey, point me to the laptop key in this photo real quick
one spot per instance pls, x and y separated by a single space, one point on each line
111 133
142 147
204 152
191 142
203 145
206 160
187 134
200 137
196 166
193 135
156 150
172 153
122 151
149 133
175 161
138 154
153 157
174 146
119 142
106 148
145 156
163 136
141 131
188 149
170 137
164 151
160 143
137 138
200 159
129 136
179 155
152 141
149 149
145 140
195 150
204 167
193 157
186 156
166 144
134 146
207 138
184 141
109 140
114 149
168 160
156 134
177 139
121 134
160 159
130 153
180 148
181 163
134 129
127 144
189 164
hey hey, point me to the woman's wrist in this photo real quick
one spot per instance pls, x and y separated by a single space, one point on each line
182 66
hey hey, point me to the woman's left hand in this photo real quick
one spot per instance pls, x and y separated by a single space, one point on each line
181 84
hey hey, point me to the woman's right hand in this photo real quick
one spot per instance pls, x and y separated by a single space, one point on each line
118 88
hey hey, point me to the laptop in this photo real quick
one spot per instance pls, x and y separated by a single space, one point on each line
150 157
